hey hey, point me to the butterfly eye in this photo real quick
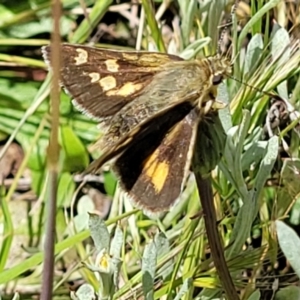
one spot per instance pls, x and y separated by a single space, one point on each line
217 79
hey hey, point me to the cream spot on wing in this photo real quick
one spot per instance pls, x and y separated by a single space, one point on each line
112 65
129 56
94 76
82 57
153 58
127 89
107 83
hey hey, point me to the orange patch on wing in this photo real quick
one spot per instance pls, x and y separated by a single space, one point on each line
157 171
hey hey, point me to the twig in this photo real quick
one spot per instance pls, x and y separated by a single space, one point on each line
53 157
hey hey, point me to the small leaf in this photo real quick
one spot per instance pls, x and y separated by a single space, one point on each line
148 269
289 189
280 45
116 266
66 188
253 154
76 157
116 243
163 248
224 114
110 183
37 159
85 292
255 295
290 245
99 232
162 244
266 165
288 293
187 284
84 206
253 54
192 50
232 154
280 49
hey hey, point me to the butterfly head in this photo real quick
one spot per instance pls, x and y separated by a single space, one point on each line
221 68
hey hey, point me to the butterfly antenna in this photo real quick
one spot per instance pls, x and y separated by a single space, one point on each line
270 94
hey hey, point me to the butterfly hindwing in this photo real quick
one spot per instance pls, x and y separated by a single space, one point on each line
153 172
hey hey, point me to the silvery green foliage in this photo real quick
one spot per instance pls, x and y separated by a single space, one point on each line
107 263
85 292
290 244
158 248
289 292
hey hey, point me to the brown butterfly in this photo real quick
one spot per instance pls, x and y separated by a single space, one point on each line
151 105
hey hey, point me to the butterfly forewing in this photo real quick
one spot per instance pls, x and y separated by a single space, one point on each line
102 81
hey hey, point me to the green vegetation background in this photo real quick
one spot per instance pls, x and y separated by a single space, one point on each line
256 184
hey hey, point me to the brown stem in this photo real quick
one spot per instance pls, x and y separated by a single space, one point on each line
53 157
217 251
